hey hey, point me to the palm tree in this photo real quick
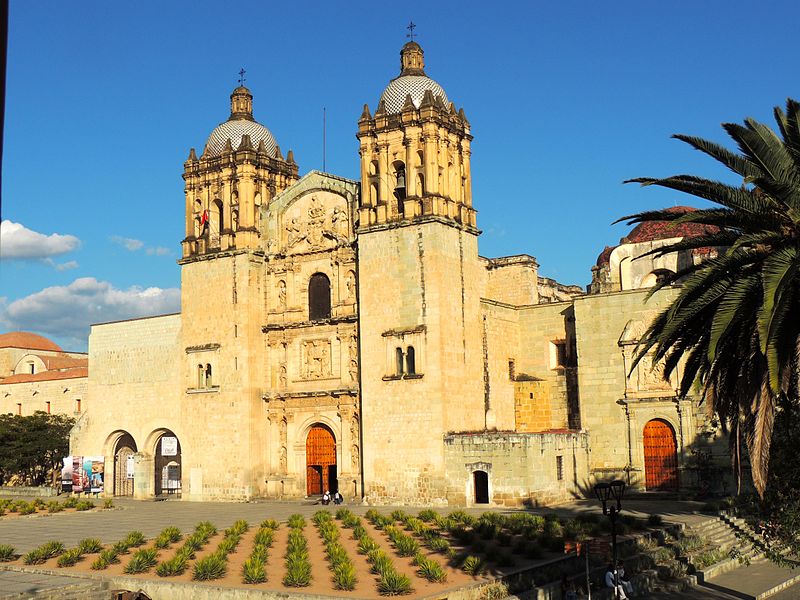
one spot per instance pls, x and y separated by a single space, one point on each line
735 324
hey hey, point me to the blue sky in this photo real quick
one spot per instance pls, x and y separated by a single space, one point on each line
566 100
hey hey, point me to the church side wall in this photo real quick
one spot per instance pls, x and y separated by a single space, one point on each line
501 327
65 396
132 387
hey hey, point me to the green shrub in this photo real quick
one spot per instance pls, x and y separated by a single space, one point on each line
269 524
142 560
264 537
90 546
298 571
211 567
688 543
70 502
393 583
84 505
174 566
44 552
239 527
297 521
430 569
427 515
253 571
70 557
168 536
297 542
54 506
135 539
108 503
6 553
398 515
380 562
472 565
110 556
344 576
359 532
26 509
708 557
655 520
438 544
367 545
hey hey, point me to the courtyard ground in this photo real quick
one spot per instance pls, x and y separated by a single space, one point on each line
26 533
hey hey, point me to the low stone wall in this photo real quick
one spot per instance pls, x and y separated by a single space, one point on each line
28 492
523 469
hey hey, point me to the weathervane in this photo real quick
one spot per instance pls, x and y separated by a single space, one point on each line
241 77
411 27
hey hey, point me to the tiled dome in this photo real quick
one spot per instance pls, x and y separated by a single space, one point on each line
28 341
394 96
234 130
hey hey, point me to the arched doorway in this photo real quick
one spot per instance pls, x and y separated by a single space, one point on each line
480 480
124 450
168 465
321 472
660 456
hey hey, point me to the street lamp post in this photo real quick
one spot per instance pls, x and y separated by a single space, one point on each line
612 491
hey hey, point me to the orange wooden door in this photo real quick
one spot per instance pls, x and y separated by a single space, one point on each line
660 456
320 455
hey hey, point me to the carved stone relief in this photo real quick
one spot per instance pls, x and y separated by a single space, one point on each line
282 294
650 376
354 458
316 359
350 284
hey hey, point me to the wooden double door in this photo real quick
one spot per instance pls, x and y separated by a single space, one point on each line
660 456
321 468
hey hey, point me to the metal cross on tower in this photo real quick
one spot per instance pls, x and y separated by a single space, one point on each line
241 76
410 28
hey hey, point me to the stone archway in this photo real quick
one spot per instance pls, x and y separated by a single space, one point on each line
124 449
660 456
167 471
321 467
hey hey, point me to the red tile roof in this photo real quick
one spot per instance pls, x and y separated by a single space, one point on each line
26 340
47 376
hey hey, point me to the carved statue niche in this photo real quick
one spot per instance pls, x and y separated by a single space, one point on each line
339 221
282 376
350 284
283 459
354 458
282 294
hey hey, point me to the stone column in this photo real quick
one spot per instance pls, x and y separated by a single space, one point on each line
143 476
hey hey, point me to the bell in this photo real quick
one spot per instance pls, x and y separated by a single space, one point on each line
401 180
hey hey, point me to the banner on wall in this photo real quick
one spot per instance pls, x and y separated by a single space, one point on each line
85 474
129 467
169 446
79 476
66 474
95 467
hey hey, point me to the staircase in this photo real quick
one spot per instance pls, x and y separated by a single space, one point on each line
721 532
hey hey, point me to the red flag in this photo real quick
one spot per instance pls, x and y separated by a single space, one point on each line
204 219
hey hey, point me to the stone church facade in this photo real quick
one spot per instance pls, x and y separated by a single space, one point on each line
339 334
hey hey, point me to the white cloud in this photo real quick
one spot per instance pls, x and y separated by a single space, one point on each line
70 264
19 242
127 243
158 251
65 312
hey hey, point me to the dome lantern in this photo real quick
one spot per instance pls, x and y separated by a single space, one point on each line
412 59
241 104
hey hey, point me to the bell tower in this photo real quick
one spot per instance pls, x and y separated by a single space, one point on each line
418 274
239 171
415 151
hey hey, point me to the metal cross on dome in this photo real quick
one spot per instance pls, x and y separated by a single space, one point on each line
241 76
411 28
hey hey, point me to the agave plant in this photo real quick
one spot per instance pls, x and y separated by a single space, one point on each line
733 325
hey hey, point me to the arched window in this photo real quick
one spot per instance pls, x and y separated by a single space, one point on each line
399 184
398 358
411 367
208 375
373 193
201 376
420 184
319 297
